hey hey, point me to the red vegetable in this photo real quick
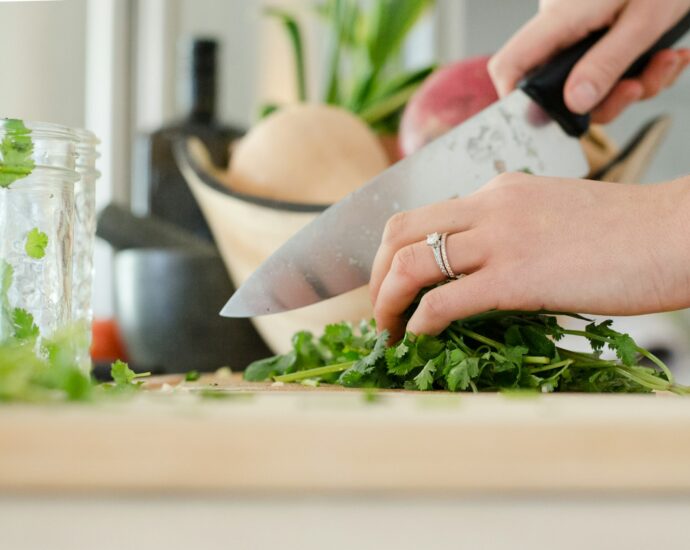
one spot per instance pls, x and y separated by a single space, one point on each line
449 96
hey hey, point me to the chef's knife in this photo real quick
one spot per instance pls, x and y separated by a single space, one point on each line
531 129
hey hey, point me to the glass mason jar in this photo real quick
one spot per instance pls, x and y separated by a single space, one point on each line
84 239
37 178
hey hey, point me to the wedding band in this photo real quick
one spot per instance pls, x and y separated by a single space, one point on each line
437 243
444 257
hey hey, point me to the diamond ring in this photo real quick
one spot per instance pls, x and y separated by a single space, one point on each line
437 242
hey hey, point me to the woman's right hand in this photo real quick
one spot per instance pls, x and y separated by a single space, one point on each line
593 85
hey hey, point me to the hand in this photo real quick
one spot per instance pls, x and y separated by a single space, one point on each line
527 242
594 83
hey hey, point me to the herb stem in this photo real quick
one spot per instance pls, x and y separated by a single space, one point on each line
558 365
480 338
313 373
653 358
535 360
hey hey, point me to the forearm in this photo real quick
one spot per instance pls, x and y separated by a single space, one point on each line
669 230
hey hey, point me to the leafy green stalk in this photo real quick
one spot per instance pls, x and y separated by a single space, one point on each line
364 46
495 351
314 373
295 33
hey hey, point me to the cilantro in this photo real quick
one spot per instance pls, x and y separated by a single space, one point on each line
24 326
36 243
6 276
16 149
123 376
425 379
513 351
192 376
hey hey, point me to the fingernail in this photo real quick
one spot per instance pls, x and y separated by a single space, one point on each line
583 97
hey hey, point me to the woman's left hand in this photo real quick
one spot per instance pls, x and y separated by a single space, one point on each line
526 242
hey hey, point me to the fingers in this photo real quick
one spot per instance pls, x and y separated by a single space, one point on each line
406 228
532 45
621 97
660 73
662 68
441 306
595 75
414 268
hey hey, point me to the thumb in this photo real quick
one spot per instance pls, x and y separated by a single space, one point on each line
595 75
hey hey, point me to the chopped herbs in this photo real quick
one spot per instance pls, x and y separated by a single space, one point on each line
16 149
495 351
192 376
24 326
122 375
36 243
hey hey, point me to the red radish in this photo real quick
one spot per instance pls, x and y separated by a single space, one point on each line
449 96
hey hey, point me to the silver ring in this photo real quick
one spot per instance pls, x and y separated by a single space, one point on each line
444 257
437 244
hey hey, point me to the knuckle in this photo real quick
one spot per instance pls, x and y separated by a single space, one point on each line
507 192
506 179
432 306
394 228
404 263
604 72
495 65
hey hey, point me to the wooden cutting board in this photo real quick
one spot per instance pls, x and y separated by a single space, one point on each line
263 438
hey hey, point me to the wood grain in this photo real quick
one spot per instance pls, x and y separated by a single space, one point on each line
295 439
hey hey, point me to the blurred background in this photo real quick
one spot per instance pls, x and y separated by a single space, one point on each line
125 69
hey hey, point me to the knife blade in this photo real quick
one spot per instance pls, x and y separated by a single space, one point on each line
531 129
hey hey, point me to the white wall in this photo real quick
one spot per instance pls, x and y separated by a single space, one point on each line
42 53
255 61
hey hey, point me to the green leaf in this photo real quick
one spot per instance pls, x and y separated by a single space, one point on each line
537 341
460 376
307 355
265 369
295 33
267 110
36 243
123 376
192 376
393 97
626 349
6 276
425 379
346 22
24 326
514 354
356 373
406 357
429 347
76 384
16 149
390 23
602 330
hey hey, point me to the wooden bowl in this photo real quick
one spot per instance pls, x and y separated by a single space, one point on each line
247 230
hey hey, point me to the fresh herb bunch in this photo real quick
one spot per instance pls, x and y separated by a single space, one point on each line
494 351
365 40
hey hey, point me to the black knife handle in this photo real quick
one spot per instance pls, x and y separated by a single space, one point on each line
545 84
